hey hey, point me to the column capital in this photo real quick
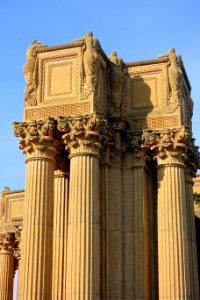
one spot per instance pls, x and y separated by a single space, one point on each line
140 154
169 146
7 242
38 139
84 135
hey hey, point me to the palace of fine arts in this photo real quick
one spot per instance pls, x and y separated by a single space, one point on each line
111 199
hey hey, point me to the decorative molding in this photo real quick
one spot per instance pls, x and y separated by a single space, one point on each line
157 122
58 110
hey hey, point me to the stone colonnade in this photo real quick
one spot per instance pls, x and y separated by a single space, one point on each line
92 231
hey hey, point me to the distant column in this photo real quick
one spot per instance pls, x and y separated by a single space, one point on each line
194 278
136 245
115 255
83 248
141 227
170 148
7 242
61 198
37 142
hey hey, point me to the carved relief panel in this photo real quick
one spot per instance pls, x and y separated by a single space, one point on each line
148 104
58 83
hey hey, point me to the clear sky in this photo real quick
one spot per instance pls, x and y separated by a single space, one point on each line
141 29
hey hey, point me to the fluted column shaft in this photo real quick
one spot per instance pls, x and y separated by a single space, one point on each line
36 261
115 227
83 249
104 232
6 269
37 142
194 280
59 280
173 256
141 239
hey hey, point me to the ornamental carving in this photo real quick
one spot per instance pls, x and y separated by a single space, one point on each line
30 74
140 154
169 146
84 134
7 242
38 136
117 79
3 204
90 64
175 74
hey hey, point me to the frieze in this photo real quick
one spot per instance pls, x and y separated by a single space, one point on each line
57 110
157 122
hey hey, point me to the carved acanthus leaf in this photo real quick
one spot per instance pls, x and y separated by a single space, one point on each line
41 136
83 134
169 145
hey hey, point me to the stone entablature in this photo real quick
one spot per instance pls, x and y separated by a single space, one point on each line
77 78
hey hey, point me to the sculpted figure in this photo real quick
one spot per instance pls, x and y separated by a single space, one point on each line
116 78
175 74
30 70
2 203
90 67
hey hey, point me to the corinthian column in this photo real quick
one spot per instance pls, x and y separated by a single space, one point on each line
7 242
170 147
37 142
82 137
61 187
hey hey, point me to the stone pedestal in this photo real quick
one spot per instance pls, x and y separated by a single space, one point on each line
37 142
6 266
61 187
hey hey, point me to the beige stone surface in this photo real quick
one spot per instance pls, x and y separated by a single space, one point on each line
107 211
60 228
196 187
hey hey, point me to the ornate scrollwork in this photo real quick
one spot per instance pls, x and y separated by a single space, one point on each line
41 136
169 146
83 134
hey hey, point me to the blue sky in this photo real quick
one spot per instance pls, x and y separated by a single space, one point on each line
137 30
